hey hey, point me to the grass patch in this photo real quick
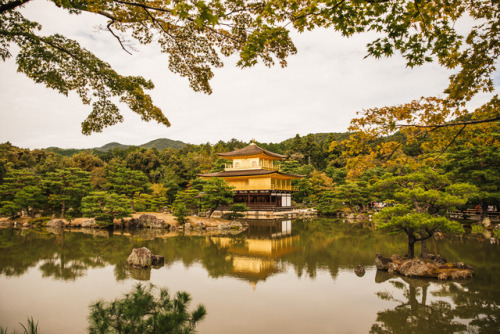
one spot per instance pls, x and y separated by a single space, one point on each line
40 221
477 229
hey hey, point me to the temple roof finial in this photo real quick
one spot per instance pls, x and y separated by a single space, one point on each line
252 142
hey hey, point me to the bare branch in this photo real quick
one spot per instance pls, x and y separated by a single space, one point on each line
453 140
12 5
117 37
479 121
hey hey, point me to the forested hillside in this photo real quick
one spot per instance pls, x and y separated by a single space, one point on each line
338 175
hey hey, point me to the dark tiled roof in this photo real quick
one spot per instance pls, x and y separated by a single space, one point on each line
248 172
251 149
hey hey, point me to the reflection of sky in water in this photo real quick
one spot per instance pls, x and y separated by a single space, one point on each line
267 288
282 303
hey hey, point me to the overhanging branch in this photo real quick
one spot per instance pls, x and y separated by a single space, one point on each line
479 121
12 5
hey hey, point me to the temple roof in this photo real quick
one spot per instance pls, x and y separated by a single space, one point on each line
251 149
248 172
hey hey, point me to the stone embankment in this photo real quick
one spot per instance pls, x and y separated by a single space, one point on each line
140 220
434 266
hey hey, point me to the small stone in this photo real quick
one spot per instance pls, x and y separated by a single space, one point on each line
381 262
359 271
443 276
461 274
396 257
157 260
187 226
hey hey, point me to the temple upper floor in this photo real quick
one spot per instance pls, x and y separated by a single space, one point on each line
251 157
251 163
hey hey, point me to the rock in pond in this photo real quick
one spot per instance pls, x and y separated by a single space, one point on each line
143 258
359 271
57 223
382 263
434 266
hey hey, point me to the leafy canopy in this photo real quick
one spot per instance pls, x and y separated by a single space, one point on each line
194 36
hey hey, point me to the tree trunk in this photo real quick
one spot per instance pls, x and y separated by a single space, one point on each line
423 249
210 213
411 246
63 210
132 203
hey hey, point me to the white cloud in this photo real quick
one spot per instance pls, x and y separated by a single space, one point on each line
320 91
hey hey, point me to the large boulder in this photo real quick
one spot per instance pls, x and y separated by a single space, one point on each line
223 226
417 267
55 223
150 221
140 257
143 258
89 223
486 222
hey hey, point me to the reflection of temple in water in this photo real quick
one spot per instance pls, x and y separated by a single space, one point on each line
258 255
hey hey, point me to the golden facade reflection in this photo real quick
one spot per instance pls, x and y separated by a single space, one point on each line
258 255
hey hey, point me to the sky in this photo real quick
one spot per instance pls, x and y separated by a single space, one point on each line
320 90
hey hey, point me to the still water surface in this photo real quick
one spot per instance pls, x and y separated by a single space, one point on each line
276 277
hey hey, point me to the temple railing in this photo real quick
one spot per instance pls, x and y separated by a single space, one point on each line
271 187
260 165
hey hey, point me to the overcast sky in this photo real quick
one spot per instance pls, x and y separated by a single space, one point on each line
320 90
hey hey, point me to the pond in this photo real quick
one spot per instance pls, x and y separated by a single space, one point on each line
275 277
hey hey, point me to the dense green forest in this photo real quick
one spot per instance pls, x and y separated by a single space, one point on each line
428 180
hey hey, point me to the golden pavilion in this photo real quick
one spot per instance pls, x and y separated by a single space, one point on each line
257 180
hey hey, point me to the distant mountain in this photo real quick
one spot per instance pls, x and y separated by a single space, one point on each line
159 144
163 143
111 146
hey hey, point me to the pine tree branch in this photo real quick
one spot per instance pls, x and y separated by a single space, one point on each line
11 5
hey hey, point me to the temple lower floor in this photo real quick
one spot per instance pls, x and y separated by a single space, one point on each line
264 199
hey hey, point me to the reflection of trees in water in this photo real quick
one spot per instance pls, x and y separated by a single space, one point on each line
331 245
415 314
319 244
65 255
479 305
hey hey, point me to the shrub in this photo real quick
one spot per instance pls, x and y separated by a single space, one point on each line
145 310
40 221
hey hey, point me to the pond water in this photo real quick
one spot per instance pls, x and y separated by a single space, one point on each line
276 277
